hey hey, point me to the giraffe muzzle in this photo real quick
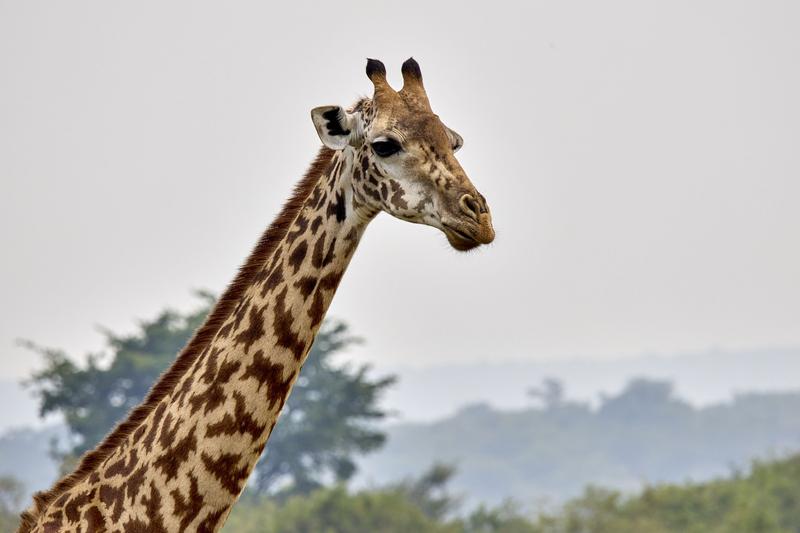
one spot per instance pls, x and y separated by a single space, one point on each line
470 233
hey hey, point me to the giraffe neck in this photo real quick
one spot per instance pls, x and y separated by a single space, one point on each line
187 462
237 388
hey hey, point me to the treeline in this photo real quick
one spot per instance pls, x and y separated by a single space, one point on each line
644 434
766 499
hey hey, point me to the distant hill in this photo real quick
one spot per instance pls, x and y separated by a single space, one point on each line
550 452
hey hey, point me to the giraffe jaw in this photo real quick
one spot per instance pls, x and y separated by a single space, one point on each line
459 239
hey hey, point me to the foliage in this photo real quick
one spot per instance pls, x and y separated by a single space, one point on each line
505 518
332 510
429 491
766 500
328 418
417 505
550 393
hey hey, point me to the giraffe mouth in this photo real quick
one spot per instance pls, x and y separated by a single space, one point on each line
459 239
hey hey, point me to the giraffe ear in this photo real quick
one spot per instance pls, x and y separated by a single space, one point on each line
334 125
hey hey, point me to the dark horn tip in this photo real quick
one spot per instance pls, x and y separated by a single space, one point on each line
411 68
375 67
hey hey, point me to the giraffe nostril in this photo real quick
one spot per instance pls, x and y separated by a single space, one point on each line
470 206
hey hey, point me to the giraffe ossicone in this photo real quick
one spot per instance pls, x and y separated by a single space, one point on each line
181 458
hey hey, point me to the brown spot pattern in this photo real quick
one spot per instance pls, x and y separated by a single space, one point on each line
240 421
94 520
209 524
306 285
187 508
174 456
319 249
214 395
254 331
183 392
121 468
300 226
273 281
329 256
151 435
72 510
316 310
226 470
270 374
154 522
298 255
282 326
112 498
315 224
134 482
397 195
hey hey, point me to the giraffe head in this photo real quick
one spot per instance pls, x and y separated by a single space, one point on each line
405 160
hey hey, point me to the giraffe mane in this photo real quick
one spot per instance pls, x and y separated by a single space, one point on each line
202 337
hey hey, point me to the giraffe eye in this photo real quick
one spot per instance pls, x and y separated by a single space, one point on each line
387 147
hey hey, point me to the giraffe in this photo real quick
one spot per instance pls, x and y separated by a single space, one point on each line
181 458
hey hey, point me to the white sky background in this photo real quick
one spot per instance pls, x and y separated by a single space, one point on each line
641 160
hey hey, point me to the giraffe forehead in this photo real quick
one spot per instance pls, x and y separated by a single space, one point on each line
424 128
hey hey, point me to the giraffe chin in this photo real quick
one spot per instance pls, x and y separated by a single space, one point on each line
460 240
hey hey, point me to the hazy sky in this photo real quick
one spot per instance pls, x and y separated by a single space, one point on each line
641 160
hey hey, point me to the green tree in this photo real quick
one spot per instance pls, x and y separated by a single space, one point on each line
333 510
417 504
505 518
766 500
644 400
328 418
550 394
429 492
